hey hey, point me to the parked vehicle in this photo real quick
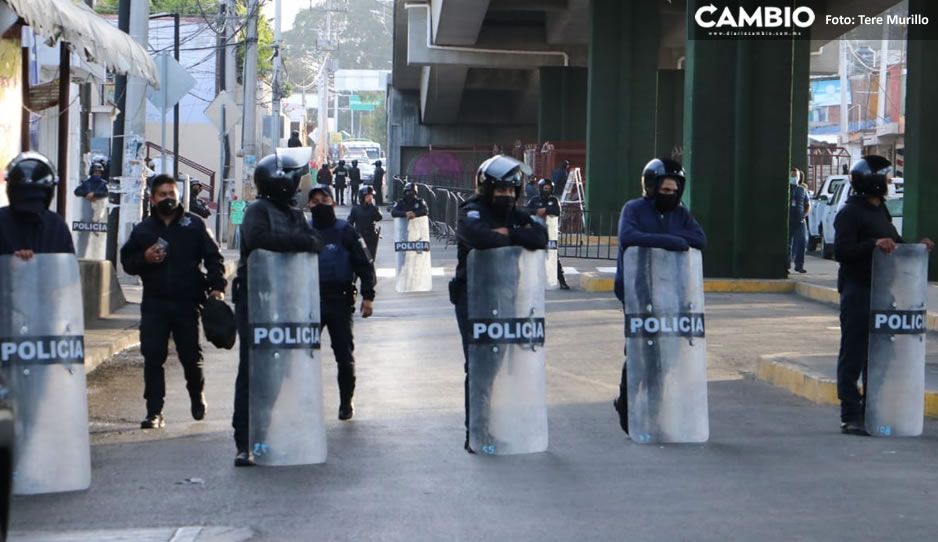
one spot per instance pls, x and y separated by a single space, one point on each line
819 209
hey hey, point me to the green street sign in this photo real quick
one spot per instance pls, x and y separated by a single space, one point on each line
362 107
237 211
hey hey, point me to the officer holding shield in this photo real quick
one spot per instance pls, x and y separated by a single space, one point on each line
490 219
656 220
343 257
270 223
94 187
27 226
410 206
545 204
863 226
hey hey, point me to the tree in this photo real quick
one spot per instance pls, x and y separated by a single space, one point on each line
375 124
364 37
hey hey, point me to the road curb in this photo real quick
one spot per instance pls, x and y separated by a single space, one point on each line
596 282
826 294
780 371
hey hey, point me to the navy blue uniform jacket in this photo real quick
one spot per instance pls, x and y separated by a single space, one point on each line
641 225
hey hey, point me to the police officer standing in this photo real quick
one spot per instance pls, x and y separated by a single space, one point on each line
270 223
94 187
27 226
544 204
167 251
863 226
490 219
197 204
377 180
355 180
341 178
798 207
343 257
410 206
365 217
656 220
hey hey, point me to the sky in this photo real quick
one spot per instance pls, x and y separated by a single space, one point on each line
288 11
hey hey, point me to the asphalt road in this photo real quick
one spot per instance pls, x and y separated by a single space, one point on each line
775 468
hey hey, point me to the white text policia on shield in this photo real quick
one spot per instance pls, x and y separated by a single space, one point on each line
691 324
289 335
48 349
909 321
507 331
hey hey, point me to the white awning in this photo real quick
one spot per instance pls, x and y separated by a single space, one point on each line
89 35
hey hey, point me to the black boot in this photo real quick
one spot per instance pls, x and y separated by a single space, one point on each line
153 421
346 380
197 406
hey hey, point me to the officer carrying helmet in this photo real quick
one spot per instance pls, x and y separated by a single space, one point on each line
270 223
490 219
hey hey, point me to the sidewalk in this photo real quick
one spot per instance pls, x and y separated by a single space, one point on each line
105 337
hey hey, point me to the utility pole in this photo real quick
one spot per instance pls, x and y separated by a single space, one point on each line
84 97
844 107
328 45
249 124
277 90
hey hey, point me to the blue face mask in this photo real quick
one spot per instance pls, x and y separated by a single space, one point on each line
793 180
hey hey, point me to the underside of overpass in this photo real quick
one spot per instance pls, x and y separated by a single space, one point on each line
622 77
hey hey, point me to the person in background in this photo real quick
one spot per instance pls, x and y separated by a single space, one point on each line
355 180
294 140
95 186
341 179
324 176
378 182
798 207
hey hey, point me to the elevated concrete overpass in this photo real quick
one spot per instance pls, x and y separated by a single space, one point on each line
622 76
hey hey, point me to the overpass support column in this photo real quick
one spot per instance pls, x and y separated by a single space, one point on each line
669 127
737 134
623 65
800 98
921 132
562 114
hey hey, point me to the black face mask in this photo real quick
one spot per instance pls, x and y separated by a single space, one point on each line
666 202
167 206
323 215
502 205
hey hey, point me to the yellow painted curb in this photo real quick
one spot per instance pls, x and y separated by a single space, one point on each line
815 388
817 293
749 286
592 282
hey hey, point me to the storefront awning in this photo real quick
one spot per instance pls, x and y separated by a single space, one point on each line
89 35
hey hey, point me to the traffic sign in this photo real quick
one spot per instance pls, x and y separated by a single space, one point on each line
232 112
175 82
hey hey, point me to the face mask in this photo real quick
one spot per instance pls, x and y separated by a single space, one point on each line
167 206
793 180
28 210
666 202
502 205
323 215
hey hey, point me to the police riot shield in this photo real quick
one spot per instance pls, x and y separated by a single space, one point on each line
552 281
666 345
412 245
507 402
89 230
42 351
895 388
287 426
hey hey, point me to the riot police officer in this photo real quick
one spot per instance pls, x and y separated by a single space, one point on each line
270 223
94 187
410 206
355 180
27 226
861 227
656 220
196 204
343 257
341 178
167 251
490 219
365 217
544 204
377 180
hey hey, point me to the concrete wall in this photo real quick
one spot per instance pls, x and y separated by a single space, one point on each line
405 130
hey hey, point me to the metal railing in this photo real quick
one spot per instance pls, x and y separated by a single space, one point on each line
583 234
185 161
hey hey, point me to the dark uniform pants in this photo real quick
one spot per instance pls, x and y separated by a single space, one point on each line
336 314
854 348
340 194
354 196
240 420
490 369
159 319
371 241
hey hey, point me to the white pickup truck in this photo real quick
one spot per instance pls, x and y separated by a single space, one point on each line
819 209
